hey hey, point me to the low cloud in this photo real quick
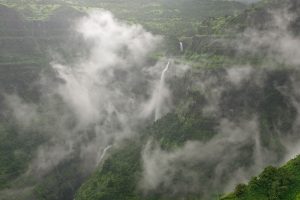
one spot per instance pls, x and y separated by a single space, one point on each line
203 166
95 101
237 151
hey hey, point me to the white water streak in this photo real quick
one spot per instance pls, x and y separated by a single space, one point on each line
104 153
181 46
160 92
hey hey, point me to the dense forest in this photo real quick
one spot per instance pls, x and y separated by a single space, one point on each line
152 100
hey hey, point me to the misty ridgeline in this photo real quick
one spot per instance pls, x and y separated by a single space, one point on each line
119 112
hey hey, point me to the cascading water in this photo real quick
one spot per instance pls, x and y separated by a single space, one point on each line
103 153
160 92
258 150
181 46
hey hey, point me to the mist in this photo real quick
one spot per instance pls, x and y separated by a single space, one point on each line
92 105
197 130
216 166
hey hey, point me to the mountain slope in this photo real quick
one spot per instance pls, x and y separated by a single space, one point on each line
160 16
281 183
198 136
264 95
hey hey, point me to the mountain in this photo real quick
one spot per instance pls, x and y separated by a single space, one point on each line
256 103
77 118
32 35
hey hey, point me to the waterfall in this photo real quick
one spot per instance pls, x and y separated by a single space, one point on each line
258 150
103 153
160 92
181 46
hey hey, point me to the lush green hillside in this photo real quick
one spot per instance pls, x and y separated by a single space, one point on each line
281 183
173 131
117 177
25 45
30 30
275 111
160 16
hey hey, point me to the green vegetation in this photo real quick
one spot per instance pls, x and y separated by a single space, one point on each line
117 178
206 29
189 124
61 182
26 34
272 184
159 16
16 151
174 130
